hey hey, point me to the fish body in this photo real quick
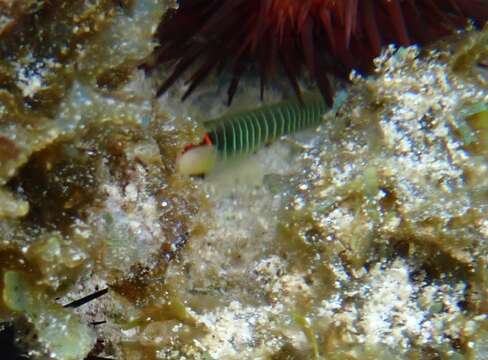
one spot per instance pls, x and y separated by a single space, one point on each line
245 131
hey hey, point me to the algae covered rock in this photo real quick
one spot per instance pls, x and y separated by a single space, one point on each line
368 239
365 238
75 141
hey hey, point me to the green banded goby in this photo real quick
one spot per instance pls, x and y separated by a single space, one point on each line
245 131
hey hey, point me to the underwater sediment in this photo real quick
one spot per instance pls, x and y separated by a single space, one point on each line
365 238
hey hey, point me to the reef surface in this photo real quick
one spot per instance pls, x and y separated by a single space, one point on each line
366 238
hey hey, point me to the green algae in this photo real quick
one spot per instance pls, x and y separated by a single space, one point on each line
473 51
303 322
59 331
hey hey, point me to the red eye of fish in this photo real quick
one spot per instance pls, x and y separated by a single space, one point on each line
205 141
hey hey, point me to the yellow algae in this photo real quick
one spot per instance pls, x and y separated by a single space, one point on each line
11 207
479 125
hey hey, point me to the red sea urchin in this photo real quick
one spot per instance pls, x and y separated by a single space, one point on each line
325 36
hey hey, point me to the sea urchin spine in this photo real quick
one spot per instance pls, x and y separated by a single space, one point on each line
325 36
